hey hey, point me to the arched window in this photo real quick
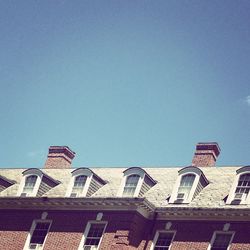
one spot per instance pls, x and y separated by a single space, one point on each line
189 183
239 192
30 182
78 186
243 186
130 185
185 186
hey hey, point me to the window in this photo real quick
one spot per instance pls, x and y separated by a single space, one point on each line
78 186
93 235
189 183
135 183
221 241
240 187
131 184
163 240
84 183
38 233
29 185
243 187
185 186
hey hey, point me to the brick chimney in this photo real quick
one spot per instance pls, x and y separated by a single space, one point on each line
206 154
59 157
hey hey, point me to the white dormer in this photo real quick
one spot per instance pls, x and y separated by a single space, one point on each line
189 183
83 183
35 183
30 182
239 192
135 182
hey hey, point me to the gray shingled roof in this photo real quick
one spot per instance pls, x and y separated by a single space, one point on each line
220 181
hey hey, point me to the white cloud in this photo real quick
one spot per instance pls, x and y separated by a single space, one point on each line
35 153
248 100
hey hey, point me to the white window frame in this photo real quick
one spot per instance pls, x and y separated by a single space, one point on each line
132 171
33 226
197 174
86 231
75 174
39 175
231 195
157 235
221 232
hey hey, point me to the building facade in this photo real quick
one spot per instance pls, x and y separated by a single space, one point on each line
197 207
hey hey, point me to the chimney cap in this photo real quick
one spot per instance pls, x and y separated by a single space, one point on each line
62 149
209 146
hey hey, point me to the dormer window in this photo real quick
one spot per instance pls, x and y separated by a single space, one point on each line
78 186
130 185
136 182
35 183
29 185
84 183
189 184
240 188
185 186
243 187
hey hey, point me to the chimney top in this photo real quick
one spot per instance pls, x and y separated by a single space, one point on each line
59 157
62 149
206 154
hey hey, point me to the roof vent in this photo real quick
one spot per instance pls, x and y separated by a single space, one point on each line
59 157
206 154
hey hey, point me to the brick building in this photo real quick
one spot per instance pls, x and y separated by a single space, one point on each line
198 207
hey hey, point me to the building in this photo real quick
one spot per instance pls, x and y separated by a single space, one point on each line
197 207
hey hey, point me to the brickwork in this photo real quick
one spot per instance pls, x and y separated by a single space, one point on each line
59 157
125 231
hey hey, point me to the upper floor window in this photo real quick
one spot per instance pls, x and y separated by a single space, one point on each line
243 186
189 183
221 241
185 186
130 185
37 235
239 193
163 240
135 182
29 185
84 182
93 235
35 183
78 186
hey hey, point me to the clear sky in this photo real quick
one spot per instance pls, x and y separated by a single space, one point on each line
124 83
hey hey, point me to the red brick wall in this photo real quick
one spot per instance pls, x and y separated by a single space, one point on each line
125 231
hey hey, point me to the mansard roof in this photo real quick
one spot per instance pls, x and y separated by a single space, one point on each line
212 196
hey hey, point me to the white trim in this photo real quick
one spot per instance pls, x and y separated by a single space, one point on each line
33 226
188 199
37 185
87 230
231 195
157 235
75 174
132 171
221 232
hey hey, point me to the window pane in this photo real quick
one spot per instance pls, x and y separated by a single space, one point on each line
221 241
30 182
186 184
79 184
40 232
164 241
94 235
131 184
243 186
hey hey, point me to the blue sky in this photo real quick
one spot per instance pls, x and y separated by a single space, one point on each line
124 83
